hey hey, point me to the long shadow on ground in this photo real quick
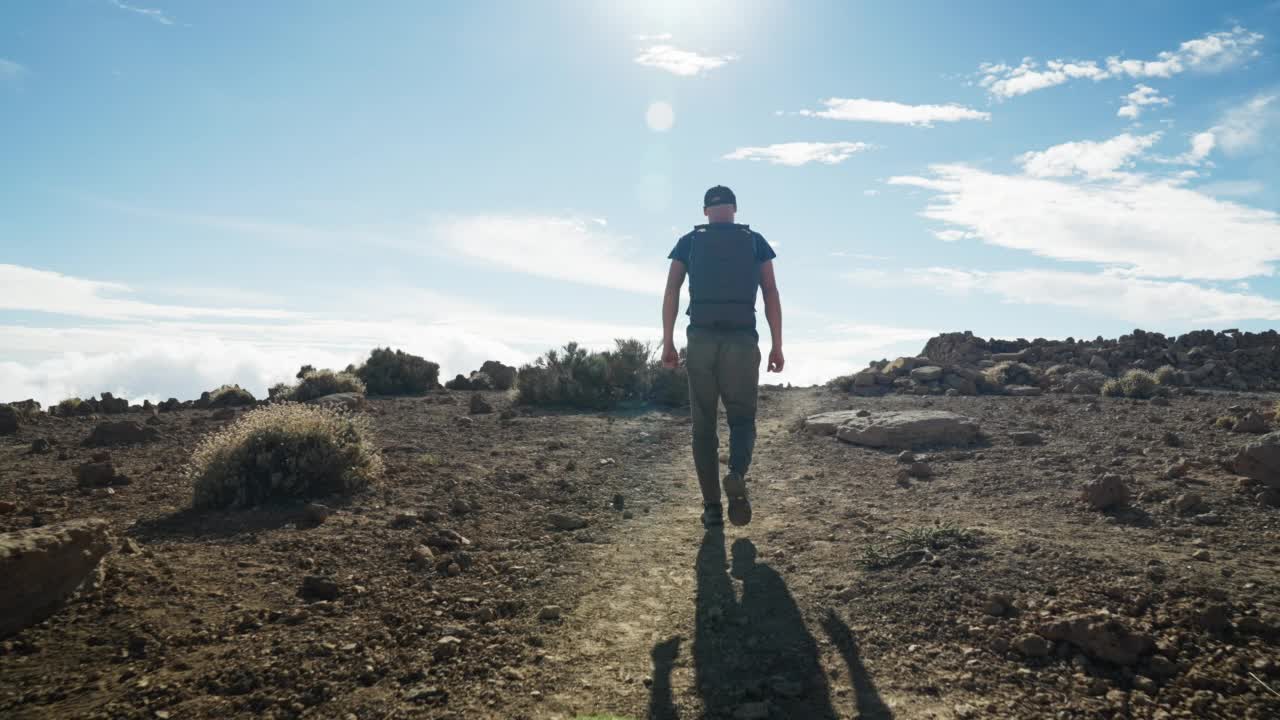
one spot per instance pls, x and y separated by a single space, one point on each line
755 656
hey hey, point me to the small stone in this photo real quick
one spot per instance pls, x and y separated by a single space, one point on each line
7 506
1026 437
619 501
566 521
459 506
404 519
95 474
751 711
920 470
129 546
1106 492
479 406
422 556
995 607
40 446
549 612
318 587
315 513
447 647
1201 555
1032 645
906 457
1187 503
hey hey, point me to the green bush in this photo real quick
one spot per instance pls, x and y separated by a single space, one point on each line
318 383
70 406
283 451
230 396
1133 384
575 377
395 372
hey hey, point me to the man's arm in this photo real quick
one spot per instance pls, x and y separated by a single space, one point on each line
773 313
670 309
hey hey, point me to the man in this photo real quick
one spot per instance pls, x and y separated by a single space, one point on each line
726 263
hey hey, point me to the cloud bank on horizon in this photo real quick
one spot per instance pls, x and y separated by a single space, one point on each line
529 198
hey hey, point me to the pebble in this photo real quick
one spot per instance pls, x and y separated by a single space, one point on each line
550 612
1201 555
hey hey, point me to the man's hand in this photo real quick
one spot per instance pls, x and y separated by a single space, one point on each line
776 361
670 357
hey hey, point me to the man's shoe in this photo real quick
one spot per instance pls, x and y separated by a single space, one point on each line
712 516
735 488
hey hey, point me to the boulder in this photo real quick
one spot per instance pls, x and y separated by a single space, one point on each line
899 430
8 420
1106 492
111 405
1260 460
566 521
479 405
1251 422
121 432
44 566
341 401
96 474
928 373
1101 636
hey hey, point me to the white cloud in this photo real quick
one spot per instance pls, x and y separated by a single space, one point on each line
35 290
1241 128
884 111
953 235
10 70
1142 96
1210 53
1004 81
800 153
685 63
660 37
1147 227
151 13
1232 188
562 248
1093 160
1110 295
871 192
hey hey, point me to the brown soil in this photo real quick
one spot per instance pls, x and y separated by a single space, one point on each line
790 617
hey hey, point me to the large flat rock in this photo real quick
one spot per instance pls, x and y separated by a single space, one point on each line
900 429
1260 460
41 567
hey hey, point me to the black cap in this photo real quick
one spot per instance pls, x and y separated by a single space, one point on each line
719 195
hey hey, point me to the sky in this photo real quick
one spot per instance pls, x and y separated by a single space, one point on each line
198 193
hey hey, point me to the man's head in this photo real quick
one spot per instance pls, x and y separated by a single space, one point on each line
719 204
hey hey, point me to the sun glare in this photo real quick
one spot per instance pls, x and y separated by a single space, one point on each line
660 116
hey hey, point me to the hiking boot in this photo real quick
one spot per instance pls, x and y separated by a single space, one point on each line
735 488
712 516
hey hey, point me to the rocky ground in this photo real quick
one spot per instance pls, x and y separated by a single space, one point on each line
567 574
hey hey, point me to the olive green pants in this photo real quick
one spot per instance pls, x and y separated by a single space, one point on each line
723 366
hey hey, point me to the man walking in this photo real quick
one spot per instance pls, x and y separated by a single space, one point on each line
726 263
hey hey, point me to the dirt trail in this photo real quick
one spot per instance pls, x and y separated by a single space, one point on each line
673 622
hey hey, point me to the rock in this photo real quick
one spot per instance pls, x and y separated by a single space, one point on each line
315 513
223 414
926 374
447 647
550 612
479 406
1101 636
1171 439
1270 497
8 420
458 506
120 432
619 502
129 546
1187 503
566 521
1032 645
318 587
422 557
1026 437
919 470
1099 364
1177 470
1202 555
1207 519
1214 618
1023 391
7 506
348 401
1251 422
96 474
1106 492
906 456
1260 460
901 429
751 711
40 446
44 566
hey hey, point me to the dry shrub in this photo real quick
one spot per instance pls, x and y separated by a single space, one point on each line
1133 384
1010 373
283 451
396 372
230 396
318 383
1169 376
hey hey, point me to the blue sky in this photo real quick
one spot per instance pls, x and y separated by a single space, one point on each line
196 193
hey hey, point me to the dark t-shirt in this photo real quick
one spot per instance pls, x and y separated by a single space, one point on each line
764 251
